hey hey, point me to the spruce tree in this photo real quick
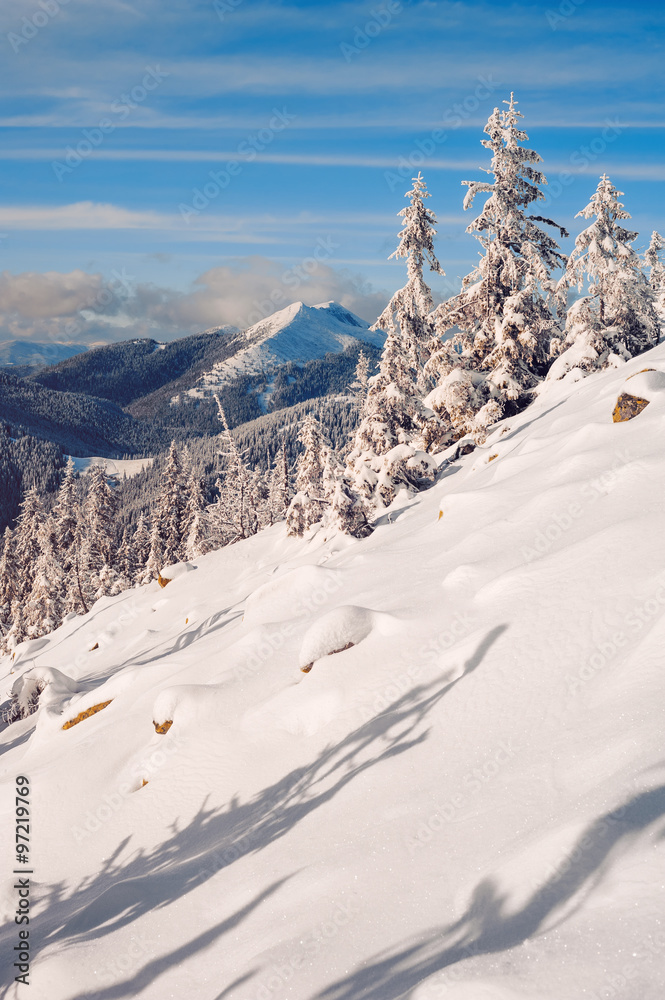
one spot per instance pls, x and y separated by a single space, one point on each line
100 510
308 505
616 319
45 604
27 541
196 523
279 491
360 384
170 509
501 320
654 258
386 455
233 515
408 312
141 543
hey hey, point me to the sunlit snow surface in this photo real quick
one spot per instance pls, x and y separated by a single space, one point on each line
467 803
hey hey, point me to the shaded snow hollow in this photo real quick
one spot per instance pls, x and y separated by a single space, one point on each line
467 803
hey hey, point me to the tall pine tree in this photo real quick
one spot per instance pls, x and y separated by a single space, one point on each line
501 320
616 319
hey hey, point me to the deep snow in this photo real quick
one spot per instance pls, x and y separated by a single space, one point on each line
467 803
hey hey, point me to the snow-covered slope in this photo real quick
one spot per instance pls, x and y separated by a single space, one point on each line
296 333
468 802
27 352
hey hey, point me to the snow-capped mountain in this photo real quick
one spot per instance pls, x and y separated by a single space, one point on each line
29 353
462 798
296 333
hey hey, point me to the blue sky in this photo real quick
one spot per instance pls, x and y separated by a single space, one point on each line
323 111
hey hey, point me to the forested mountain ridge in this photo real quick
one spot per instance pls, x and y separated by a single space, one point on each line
127 371
79 423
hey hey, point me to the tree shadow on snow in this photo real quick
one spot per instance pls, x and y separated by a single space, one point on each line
489 925
123 891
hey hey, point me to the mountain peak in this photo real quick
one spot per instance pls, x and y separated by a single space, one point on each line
295 333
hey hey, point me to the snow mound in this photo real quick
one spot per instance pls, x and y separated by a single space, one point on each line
292 595
184 704
648 384
338 630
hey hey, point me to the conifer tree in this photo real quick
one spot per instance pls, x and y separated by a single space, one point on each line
233 514
127 565
66 512
170 509
308 504
279 493
616 319
408 312
141 543
386 454
196 522
502 320
27 541
360 385
45 604
18 631
654 258
100 510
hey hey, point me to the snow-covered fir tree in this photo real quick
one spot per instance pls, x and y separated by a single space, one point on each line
8 585
141 542
279 488
346 511
232 515
45 604
66 513
408 311
616 318
386 454
360 384
196 530
654 259
169 512
126 564
100 510
501 320
312 490
27 541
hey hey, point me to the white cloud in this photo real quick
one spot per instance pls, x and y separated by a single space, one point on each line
83 308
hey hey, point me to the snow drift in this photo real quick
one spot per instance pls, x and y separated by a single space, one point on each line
466 803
